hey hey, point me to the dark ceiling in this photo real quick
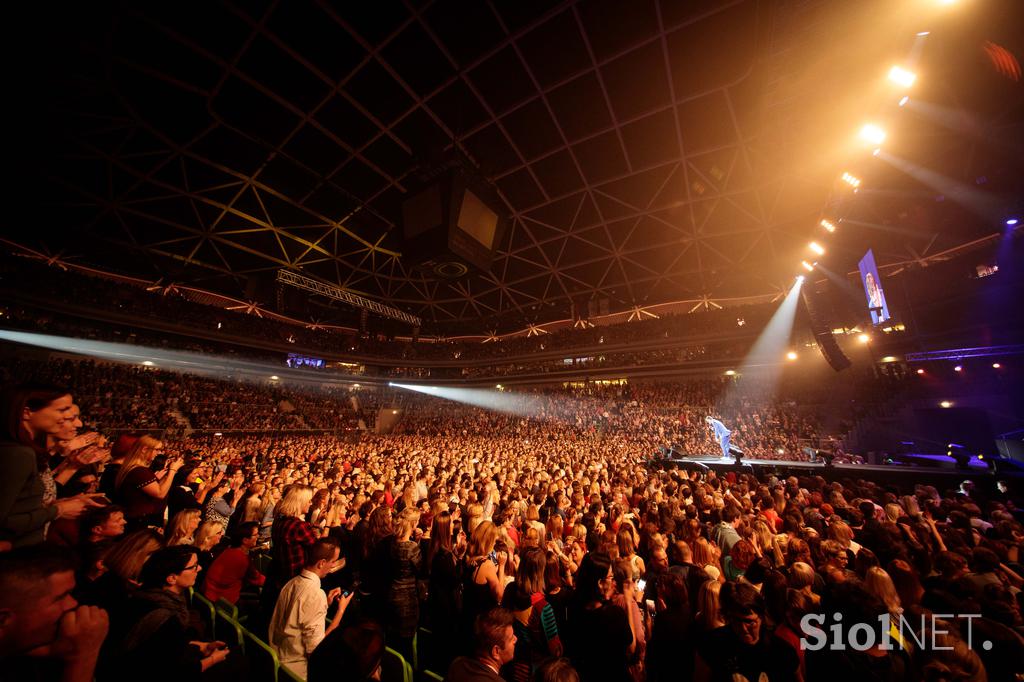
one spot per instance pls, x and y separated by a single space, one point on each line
646 151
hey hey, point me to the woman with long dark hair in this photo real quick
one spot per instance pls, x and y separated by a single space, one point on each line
444 559
30 413
604 637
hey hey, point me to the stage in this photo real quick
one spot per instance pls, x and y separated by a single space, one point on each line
937 470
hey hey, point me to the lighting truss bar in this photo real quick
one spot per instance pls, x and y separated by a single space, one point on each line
338 294
963 353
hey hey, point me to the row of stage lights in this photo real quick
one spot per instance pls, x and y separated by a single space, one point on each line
874 135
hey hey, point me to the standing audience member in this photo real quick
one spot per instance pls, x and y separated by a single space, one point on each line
402 596
604 640
298 624
30 413
141 491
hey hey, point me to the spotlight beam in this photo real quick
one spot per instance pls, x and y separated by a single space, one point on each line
980 203
518 404
766 356
180 361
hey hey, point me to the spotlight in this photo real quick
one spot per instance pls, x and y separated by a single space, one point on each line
1011 222
922 34
901 76
878 150
816 248
791 355
828 225
498 386
730 372
996 365
904 100
807 266
920 371
274 377
799 279
147 363
872 133
863 338
851 180
945 403
958 368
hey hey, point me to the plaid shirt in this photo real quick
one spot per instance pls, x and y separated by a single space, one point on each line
290 536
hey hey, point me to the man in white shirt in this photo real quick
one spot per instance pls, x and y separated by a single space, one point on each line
299 621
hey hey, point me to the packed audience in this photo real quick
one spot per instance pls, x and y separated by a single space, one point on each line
533 544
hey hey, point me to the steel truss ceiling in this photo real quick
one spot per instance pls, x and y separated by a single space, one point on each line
637 147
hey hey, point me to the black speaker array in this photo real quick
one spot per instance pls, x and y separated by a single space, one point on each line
821 327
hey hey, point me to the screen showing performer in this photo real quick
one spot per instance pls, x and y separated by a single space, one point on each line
873 289
721 434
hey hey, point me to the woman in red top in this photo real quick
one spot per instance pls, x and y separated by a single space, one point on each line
232 570
141 491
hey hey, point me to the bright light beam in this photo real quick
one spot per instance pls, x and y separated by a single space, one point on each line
178 361
520 404
981 203
763 365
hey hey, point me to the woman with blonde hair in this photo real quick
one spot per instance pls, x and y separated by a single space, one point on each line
141 491
878 583
123 564
706 556
403 567
484 576
625 541
555 530
181 529
841 532
267 512
708 616
474 515
208 535
291 534
533 519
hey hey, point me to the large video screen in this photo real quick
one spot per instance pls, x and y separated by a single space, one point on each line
296 360
873 288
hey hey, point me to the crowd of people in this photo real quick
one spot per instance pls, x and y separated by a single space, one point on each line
518 545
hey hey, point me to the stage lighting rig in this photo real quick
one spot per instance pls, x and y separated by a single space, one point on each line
872 133
901 76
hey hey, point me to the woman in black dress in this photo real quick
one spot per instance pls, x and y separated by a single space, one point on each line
402 595
604 639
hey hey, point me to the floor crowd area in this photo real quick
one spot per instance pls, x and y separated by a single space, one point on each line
201 528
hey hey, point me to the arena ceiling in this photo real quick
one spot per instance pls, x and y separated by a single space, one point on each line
646 151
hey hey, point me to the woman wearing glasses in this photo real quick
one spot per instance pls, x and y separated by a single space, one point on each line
152 636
